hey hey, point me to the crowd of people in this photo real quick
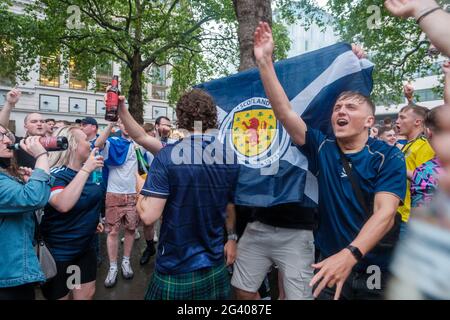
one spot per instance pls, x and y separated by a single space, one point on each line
371 180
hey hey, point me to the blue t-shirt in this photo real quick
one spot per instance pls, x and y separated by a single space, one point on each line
70 234
197 190
377 168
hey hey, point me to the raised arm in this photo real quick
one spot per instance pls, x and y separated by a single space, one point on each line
66 199
136 132
408 91
263 50
446 69
101 140
11 99
17 198
436 24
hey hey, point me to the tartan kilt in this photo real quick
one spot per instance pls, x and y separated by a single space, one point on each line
205 284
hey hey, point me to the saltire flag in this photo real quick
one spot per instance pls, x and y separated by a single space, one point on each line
273 170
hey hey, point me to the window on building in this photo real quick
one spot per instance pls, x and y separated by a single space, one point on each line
158 92
159 75
49 71
77 105
427 95
159 111
104 74
159 83
306 45
48 103
100 107
75 81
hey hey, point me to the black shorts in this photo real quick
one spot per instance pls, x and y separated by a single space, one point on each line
58 287
23 292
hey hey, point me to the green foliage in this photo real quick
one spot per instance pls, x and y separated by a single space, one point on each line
282 41
197 38
397 47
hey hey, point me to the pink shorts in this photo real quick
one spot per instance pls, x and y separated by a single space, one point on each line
121 209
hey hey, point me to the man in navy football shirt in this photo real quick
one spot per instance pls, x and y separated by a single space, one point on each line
348 235
191 184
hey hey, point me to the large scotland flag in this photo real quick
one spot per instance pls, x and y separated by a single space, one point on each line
273 170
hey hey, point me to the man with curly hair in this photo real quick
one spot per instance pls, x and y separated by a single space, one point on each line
192 185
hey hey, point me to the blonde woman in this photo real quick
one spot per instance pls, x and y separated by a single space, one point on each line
71 218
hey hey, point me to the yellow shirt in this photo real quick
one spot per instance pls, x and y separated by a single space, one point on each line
416 152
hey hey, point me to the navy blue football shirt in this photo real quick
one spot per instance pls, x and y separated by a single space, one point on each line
197 176
377 168
70 234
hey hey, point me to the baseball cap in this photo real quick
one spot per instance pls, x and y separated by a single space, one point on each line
89 120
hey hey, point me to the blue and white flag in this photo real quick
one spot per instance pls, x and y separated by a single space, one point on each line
274 171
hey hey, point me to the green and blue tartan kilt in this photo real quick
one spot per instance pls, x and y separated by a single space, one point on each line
204 284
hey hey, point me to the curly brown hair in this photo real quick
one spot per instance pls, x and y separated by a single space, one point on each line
196 105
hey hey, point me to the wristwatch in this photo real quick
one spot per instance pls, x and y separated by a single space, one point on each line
355 252
233 236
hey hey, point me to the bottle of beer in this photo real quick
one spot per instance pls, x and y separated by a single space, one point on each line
112 100
49 144
97 176
143 166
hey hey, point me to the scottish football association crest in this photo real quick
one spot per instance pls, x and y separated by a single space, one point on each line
254 133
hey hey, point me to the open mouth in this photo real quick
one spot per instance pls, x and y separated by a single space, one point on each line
342 122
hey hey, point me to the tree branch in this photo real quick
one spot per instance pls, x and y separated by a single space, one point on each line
166 19
97 16
130 12
174 43
78 51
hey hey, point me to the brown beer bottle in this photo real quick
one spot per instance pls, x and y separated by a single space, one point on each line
112 100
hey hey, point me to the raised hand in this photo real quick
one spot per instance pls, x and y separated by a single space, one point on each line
408 91
409 8
122 102
358 51
13 96
32 146
263 43
374 132
93 162
446 68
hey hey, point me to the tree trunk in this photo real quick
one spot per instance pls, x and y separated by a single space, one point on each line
135 102
249 13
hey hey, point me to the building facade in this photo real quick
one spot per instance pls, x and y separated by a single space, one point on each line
65 97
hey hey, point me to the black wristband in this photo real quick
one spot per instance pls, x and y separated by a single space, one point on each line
355 252
41 154
427 13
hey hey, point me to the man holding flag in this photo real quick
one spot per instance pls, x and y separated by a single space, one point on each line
352 170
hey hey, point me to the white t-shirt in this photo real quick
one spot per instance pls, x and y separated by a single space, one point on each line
121 179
